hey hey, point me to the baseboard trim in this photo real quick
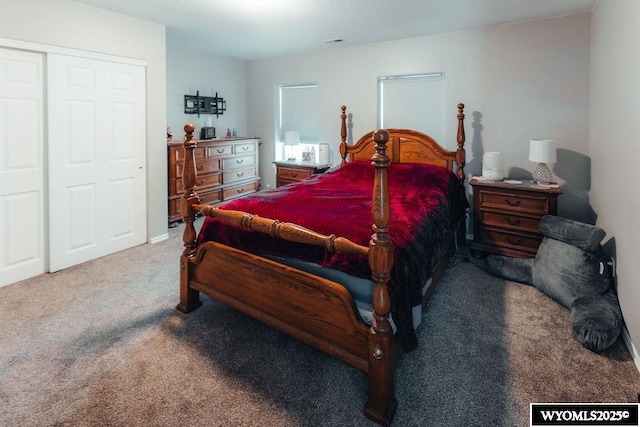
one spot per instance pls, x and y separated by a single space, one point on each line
632 349
160 238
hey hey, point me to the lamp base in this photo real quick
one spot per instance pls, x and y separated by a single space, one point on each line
542 175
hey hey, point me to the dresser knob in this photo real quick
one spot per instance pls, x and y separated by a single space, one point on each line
512 203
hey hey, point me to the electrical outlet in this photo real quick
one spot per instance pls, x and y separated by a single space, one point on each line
612 264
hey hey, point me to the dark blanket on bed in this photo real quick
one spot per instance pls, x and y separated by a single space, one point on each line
427 202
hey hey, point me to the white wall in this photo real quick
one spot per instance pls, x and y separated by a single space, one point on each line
614 144
189 71
72 25
519 81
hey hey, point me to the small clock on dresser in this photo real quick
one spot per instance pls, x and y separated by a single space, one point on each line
506 216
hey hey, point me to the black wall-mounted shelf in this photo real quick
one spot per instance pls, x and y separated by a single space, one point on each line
196 104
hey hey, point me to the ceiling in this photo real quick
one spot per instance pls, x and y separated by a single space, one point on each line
256 29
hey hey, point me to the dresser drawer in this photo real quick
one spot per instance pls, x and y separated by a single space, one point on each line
219 150
209 180
202 167
240 190
238 175
210 197
292 174
240 162
510 220
511 201
244 148
199 153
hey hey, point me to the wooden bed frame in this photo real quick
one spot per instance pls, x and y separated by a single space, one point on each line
315 310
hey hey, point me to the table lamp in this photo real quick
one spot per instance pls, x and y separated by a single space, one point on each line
291 138
542 151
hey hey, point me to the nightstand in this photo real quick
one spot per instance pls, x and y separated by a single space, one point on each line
506 217
288 171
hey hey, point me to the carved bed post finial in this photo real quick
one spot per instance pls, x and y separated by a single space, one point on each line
460 153
189 176
343 135
381 402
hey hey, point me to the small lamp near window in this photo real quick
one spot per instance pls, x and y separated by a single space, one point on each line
542 151
291 138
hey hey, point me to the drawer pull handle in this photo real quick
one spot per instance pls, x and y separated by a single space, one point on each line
245 148
293 174
240 174
200 182
517 241
238 161
513 221
512 203
200 167
220 150
240 190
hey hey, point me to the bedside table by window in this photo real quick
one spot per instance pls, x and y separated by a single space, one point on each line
506 217
288 172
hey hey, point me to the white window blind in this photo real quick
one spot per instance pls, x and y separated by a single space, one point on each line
414 102
299 111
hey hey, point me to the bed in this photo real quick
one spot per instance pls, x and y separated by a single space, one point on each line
297 275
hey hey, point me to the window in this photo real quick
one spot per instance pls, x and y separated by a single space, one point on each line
416 101
298 111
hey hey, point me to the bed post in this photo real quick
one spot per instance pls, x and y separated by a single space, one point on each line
460 153
189 298
343 135
381 402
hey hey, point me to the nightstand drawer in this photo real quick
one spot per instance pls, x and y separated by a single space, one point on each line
511 201
511 221
292 174
514 241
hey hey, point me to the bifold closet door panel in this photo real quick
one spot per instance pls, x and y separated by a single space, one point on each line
97 159
22 231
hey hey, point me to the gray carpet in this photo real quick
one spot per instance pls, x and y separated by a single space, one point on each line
101 344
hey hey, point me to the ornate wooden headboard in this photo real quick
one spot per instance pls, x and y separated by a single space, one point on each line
408 146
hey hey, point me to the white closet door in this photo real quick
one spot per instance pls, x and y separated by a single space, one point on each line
21 166
97 184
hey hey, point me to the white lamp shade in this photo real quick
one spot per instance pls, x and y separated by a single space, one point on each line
291 137
542 151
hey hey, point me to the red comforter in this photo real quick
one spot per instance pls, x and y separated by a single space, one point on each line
426 204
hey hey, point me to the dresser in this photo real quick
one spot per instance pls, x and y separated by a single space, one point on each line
227 168
506 217
288 171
